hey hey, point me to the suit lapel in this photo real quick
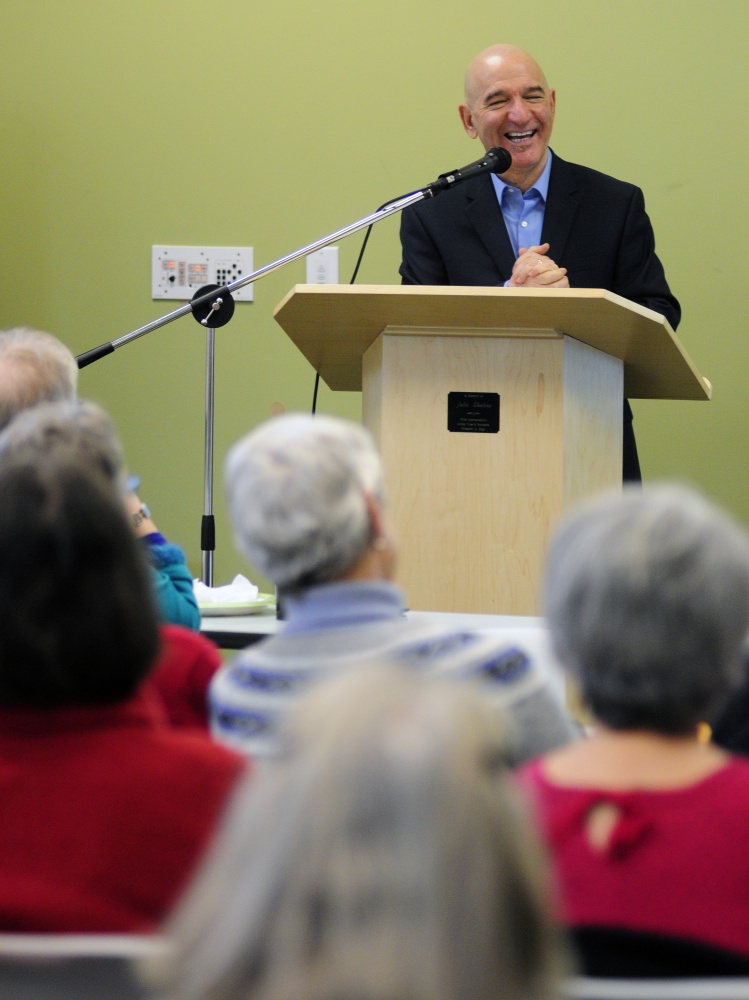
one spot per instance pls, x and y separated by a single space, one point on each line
561 205
485 215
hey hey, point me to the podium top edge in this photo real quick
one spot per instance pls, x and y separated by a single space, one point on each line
339 322
474 291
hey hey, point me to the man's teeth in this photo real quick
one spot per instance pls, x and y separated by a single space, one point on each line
519 136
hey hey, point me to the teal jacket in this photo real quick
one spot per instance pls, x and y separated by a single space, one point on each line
173 583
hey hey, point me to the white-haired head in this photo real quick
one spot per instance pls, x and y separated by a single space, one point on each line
82 430
299 490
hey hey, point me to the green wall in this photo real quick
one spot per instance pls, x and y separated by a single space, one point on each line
272 124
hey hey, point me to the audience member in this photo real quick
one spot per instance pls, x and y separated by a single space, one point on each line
35 367
306 499
647 600
381 857
86 430
106 808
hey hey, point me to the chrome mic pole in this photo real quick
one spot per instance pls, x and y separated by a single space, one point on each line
208 526
217 314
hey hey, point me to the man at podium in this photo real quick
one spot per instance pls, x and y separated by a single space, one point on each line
544 222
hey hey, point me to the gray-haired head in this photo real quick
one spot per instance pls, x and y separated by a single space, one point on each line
647 601
383 857
297 491
81 430
35 367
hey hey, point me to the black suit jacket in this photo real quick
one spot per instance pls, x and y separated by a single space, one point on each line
595 225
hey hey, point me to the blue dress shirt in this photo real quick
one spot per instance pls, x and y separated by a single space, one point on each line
524 213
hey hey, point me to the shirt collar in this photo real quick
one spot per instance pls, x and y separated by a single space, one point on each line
541 187
331 605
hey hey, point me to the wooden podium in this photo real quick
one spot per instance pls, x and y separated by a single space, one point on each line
474 505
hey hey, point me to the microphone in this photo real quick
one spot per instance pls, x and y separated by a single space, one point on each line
496 160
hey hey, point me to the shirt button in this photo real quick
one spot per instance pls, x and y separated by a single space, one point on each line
523 223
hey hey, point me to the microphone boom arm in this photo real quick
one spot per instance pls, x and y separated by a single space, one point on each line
205 300
496 160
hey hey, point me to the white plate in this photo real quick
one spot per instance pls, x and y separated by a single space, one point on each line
209 610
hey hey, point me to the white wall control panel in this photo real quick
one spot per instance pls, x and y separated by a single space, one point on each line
178 272
322 266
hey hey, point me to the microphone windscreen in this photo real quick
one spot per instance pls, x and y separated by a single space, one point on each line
502 159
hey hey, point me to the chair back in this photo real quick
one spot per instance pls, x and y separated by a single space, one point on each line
73 966
699 988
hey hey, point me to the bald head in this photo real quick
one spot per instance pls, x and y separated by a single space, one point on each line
35 367
508 103
498 60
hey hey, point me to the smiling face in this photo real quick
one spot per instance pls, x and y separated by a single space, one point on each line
509 104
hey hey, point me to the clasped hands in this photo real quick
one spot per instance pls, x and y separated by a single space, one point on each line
534 269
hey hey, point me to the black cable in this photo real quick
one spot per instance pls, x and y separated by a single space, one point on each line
353 279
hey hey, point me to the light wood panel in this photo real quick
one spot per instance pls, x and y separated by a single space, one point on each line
474 512
593 387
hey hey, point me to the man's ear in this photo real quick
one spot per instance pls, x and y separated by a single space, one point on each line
383 546
376 515
466 116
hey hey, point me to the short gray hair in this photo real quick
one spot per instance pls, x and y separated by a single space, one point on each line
647 601
35 367
383 856
81 430
296 492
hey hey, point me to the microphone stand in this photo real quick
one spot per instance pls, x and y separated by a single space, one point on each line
213 306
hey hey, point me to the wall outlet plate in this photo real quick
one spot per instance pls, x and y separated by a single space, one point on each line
322 266
179 272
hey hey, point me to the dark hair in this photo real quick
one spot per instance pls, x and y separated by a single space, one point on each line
80 620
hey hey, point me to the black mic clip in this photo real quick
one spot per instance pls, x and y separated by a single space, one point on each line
212 310
496 160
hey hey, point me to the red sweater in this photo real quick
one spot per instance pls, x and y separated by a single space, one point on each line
677 862
105 813
181 675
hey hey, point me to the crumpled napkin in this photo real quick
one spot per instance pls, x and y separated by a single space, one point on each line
239 591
